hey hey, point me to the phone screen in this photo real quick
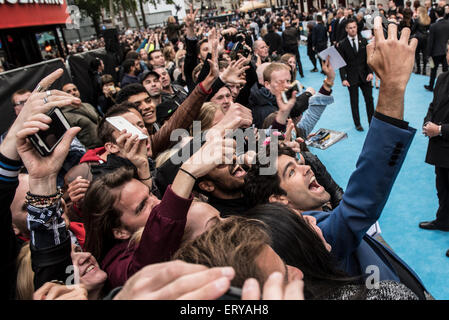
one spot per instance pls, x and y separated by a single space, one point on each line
52 136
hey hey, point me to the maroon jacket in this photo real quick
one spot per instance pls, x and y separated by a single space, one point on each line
160 239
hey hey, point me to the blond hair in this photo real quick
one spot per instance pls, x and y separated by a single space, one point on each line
273 67
207 115
25 274
423 16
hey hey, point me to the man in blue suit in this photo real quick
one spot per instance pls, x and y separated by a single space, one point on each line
382 156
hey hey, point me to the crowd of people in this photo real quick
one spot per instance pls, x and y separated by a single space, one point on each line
110 215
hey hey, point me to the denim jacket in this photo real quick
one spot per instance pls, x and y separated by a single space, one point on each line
317 104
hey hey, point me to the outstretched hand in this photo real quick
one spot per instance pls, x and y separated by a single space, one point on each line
232 74
392 60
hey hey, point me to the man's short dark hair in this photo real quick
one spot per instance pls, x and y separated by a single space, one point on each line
133 55
351 20
128 64
104 128
198 46
150 55
258 188
107 78
128 91
439 12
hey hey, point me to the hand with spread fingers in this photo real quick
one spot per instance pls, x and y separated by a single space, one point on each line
232 74
392 60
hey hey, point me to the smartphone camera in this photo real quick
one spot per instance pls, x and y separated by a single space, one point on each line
46 141
287 94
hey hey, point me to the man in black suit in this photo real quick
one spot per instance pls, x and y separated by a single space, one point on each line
290 39
319 38
436 127
356 74
333 34
274 41
436 45
340 32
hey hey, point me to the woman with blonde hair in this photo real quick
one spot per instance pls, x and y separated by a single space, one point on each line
173 30
420 30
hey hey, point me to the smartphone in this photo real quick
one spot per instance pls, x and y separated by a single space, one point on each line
46 141
121 123
287 94
235 49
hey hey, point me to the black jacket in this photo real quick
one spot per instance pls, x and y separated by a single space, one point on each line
420 31
319 37
438 113
274 42
290 37
340 30
438 37
356 69
262 103
10 245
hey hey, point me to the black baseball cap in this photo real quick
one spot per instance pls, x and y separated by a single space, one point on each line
147 73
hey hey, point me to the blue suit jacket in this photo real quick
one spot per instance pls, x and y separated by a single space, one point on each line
368 189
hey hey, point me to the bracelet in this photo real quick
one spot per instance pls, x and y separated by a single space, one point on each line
43 201
185 171
145 178
204 90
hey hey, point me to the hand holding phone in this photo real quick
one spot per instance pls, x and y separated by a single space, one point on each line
45 141
287 94
121 124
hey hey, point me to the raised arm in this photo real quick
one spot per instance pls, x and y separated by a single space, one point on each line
385 147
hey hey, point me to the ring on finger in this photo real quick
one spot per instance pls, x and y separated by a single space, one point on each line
45 100
39 88
48 93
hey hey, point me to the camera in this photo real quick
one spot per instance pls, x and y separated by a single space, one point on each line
287 94
239 48
46 141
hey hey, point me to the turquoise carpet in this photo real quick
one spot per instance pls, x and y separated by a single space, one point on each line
413 198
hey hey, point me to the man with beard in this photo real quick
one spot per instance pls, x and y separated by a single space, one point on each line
131 68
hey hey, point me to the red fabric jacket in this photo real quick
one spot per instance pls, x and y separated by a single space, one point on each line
160 239
93 155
